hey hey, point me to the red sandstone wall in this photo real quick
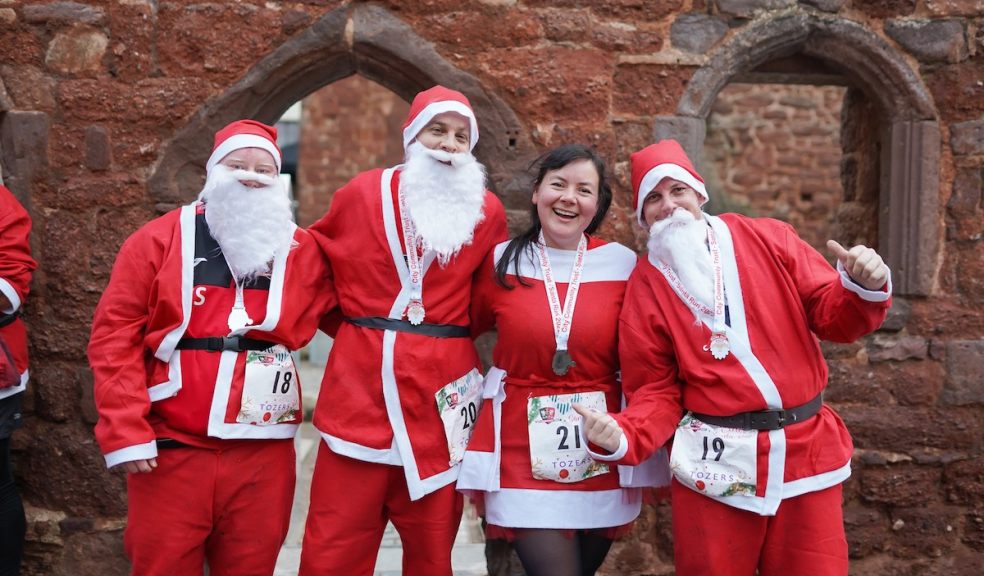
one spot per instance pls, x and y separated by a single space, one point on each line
775 151
93 93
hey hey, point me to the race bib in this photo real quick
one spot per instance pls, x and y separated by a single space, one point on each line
714 460
458 404
557 451
271 391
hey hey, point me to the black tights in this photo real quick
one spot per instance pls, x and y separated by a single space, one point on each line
546 552
12 522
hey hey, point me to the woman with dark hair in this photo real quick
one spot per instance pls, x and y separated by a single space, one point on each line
554 293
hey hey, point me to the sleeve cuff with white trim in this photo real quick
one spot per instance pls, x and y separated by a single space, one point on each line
623 447
131 453
870 295
11 294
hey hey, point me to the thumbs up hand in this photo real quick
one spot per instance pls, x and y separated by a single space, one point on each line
862 264
600 428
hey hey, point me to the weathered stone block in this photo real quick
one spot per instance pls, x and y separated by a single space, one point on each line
967 137
8 16
633 10
825 5
930 40
564 24
965 209
964 375
626 38
97 148
747 8
898 315
77 50
901 485
696 33
63 13
29 87
882 348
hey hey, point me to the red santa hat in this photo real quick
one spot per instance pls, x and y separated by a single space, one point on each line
244 134
664 159
432 102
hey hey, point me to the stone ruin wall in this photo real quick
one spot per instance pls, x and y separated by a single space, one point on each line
94 96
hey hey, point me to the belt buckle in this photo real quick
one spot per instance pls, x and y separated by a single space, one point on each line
232 343
780 418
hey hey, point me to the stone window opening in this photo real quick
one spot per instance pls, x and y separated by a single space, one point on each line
889 132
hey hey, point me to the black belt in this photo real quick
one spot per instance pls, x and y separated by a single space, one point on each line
222 343
765 419
170 443
435 330
6 319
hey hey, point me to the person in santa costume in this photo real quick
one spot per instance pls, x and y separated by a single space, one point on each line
554 293
16 266
403 243
197 393
720 326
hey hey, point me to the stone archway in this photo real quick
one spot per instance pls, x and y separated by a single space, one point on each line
908 196
361 39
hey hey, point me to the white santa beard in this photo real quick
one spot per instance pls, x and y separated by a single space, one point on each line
679 241
445 201
251 225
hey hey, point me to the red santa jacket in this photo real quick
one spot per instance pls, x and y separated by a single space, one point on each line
781 296
164 288
498 455
377 399
16 266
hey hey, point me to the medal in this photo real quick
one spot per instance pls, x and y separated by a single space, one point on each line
719 345
415 312
239 319
415 268
561 316
562 362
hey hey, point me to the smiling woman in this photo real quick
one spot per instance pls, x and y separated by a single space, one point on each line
557 315
571 196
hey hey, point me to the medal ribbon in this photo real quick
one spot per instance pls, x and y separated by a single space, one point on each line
562 317
410 245
717 313
239 305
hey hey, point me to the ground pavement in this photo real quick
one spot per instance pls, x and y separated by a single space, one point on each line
467 557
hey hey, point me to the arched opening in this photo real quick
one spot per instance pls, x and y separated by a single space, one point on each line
363 39
345 128
890 142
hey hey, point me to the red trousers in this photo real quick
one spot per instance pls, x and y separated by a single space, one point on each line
230 507
806 536
352 500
